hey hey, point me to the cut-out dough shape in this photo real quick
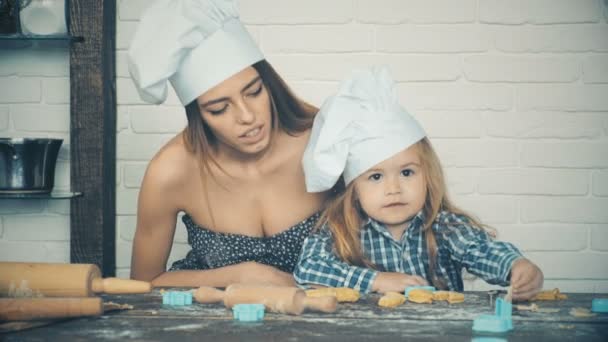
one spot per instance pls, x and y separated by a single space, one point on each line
391 300
342 294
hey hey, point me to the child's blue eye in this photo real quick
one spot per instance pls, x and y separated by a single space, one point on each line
407 172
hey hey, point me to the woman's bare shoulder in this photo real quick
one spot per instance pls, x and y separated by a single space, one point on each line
172 164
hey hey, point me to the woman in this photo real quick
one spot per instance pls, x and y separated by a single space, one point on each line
235 170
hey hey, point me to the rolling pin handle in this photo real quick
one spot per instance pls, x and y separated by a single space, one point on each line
120 286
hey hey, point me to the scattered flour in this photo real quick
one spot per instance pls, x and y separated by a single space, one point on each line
23 291
185 327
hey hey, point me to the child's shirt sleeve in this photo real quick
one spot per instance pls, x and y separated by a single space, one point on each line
319 265
478 253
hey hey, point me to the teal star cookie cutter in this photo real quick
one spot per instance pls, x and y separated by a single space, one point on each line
248 312
177 298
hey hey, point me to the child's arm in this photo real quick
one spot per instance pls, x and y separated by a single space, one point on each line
319 265
396 282
474 249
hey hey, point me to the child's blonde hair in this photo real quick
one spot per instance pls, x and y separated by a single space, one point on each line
344 216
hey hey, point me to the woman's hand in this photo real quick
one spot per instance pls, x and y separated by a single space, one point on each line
526 279
252 272
395 282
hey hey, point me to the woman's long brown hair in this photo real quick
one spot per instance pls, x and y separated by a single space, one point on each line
344 216
288 113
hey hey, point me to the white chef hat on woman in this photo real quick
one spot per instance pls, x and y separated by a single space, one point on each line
359 127
193 44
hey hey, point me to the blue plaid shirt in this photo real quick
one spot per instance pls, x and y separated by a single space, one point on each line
459 245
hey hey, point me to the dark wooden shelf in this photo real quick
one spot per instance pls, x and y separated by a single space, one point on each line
52 195
21 40
91 40
24 37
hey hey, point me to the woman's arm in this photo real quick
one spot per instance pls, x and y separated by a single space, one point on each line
156 218
246 272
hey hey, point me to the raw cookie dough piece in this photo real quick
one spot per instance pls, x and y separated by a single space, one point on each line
342 294
549 295
441 295
455 297
391 300
420 296
451 297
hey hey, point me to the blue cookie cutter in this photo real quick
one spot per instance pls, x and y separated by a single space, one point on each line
500 322
599 305
177 298
488 339
248 312
419 287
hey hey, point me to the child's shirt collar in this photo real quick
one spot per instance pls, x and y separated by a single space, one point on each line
415 224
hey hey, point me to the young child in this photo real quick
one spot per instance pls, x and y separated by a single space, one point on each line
391 224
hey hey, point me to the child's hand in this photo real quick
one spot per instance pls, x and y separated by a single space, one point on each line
526 279
395 282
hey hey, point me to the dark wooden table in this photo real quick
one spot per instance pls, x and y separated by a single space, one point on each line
364 320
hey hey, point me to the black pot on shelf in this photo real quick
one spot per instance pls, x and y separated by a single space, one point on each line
27 165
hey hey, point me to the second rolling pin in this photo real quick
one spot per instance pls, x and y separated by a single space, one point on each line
281 299
25 309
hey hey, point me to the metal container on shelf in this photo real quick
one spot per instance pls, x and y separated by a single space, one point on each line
27 165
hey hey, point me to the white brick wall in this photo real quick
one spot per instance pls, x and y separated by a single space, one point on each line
512 94
34 102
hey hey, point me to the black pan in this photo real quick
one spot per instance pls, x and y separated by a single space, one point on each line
27 165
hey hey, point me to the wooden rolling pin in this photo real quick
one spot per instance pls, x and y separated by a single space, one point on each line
26 309
63 280
289 300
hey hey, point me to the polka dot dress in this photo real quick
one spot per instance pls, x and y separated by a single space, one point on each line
212 250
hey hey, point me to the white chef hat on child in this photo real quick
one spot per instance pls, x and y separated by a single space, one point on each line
194 44
359 127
